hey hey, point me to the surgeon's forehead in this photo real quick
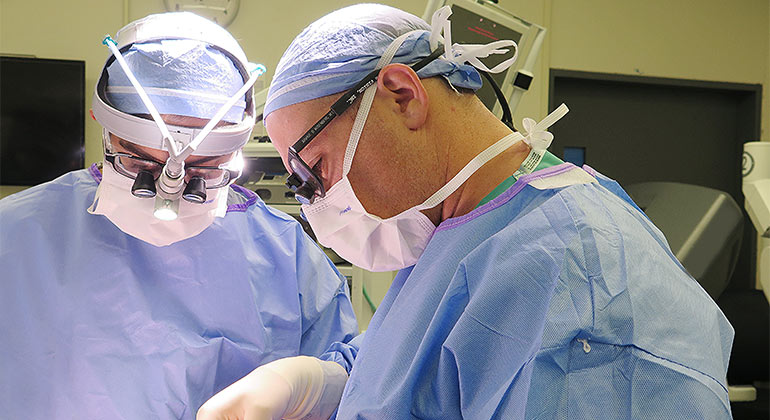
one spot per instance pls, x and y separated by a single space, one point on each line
185 121
284 129
286 125
160 155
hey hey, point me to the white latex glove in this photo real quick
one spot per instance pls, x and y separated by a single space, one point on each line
291 388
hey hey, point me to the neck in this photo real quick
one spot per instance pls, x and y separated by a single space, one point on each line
465 141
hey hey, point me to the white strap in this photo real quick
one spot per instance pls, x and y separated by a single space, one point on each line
469 169
456 53
181 155
470 53
142 94
273 94
174 93
92 208
190 149
538 139
366 104
535 134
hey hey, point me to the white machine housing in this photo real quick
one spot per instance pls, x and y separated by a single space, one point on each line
756 190
518 78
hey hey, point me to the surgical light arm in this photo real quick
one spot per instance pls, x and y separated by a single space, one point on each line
167 138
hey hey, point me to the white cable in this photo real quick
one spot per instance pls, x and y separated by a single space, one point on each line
219 115
142 94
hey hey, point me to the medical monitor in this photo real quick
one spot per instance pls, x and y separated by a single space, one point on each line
42 126
482 22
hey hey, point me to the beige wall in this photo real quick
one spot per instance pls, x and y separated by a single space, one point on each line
709 40
716 41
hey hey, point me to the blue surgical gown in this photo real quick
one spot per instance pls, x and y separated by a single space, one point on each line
549 302
96 324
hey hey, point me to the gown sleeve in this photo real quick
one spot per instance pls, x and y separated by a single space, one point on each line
510 278
344 353
327 313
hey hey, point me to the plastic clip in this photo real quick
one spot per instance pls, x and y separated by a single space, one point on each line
108 39
259 69
586 346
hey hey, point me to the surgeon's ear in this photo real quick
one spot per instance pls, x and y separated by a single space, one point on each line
402 87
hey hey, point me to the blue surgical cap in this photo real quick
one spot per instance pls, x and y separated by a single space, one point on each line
338 50
181 77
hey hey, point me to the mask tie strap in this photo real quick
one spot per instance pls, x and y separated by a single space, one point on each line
537 137
92 208
470 53
469 169
458 54
366 104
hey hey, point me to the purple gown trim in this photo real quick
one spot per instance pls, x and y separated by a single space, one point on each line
504 197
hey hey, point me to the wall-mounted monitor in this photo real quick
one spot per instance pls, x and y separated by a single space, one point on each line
42 119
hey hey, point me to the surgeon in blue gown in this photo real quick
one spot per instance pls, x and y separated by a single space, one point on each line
537 290
108 313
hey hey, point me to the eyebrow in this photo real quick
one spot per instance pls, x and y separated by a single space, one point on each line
131 147
202 161
135 150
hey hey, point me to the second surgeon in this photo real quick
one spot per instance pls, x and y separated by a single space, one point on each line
107 311
530 288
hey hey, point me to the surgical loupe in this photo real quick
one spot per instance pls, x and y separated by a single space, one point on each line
170 182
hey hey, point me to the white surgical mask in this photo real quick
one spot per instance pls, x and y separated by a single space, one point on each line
134 215
341 222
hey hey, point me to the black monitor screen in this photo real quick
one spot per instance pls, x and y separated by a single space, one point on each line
42 130
471 28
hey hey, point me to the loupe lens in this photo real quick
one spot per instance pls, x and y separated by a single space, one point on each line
305 194
144 185
195 191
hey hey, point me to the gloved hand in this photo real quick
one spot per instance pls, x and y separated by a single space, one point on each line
291 388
